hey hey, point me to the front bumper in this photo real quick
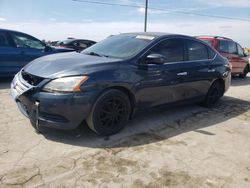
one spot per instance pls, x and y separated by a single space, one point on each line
55 110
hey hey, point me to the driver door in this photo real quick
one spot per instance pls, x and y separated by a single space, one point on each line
161 83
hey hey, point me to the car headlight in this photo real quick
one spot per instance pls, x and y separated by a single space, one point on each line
66 84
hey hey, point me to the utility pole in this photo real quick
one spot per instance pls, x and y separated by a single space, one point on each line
146 15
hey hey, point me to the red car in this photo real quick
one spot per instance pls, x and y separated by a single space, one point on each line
230 50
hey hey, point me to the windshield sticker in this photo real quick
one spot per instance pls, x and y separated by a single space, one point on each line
145 37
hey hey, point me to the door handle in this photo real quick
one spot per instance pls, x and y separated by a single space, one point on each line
211 70
182 74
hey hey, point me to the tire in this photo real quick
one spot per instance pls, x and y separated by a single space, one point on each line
245 71
214 93
110 113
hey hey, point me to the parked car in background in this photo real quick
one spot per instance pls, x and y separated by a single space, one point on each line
18 49
230 50
110 81
76 44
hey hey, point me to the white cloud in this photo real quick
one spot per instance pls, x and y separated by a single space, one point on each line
52 19
2 19
228 3
239 31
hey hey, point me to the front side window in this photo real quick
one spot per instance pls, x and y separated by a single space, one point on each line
171 49
24 41
197 51
3 40
240 50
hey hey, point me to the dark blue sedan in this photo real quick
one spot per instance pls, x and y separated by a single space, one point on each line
109 82
18 49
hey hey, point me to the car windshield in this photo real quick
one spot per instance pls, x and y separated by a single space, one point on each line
65 41
120 46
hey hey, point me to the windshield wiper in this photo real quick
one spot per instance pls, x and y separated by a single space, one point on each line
95 54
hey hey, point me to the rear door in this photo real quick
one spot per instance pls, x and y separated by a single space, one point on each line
199 68
8 55
229 50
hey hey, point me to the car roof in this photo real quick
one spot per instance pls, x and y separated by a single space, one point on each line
8 30
213 37
158 34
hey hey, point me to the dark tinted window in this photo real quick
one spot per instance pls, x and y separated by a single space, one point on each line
240 50
227 46
197 51
3 40
211 53
172 49
232 47
209 42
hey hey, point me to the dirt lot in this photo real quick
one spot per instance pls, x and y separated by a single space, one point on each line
186 146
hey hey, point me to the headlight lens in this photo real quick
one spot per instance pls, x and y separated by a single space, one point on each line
66 84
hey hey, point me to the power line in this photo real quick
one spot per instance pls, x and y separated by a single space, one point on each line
106 3
165 11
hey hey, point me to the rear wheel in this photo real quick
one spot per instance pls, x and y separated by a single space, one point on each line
110 112
214 93
245 71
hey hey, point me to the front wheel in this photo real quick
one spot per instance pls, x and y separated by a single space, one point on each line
214 93
110 113
244 74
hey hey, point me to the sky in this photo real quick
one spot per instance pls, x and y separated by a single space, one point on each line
60 19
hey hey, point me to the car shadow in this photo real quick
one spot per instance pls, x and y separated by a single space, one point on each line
157 125
5 82
236 81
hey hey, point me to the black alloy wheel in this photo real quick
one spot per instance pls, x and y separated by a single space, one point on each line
245 71
110 112
214 93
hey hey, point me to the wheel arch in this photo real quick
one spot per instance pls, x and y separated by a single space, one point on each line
129 93
221 81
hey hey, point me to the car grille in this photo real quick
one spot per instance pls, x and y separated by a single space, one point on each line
31 79
22 83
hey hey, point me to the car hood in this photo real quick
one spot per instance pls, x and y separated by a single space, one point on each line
68 64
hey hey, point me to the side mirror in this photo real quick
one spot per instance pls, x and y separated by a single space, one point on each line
246 54
155 59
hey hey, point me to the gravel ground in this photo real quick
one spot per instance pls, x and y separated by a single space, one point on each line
188 146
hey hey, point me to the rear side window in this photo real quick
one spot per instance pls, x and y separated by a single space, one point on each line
3 40
228 47
197 51
209 42
211 53
172 49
